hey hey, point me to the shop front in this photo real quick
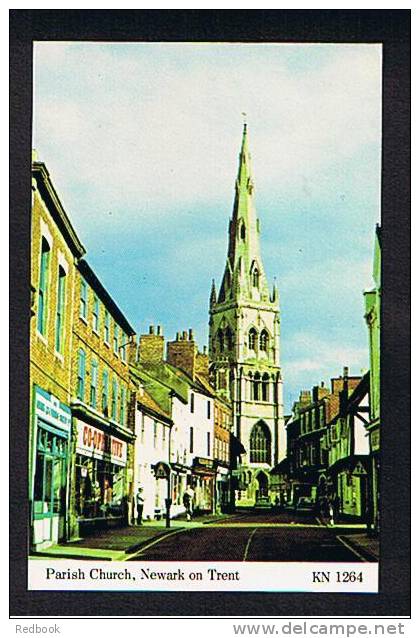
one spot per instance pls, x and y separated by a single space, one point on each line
203 483
100 479
180 479
222 496
50 453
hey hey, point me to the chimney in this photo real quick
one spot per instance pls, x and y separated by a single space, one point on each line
202 364
319 392
151 346
305 397
183 354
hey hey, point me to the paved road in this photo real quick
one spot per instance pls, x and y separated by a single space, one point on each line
254 537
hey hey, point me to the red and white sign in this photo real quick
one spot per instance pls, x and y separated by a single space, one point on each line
100 445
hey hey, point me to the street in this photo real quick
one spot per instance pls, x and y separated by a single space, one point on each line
253 536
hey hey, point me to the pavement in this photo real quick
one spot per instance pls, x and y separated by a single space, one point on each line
247 535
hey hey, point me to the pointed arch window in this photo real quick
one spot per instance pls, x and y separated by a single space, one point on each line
252 339
242 231
260 444
229 338
256 387
220 339
265 381
256 277
264 341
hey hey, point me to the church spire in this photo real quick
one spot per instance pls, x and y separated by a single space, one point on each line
244 265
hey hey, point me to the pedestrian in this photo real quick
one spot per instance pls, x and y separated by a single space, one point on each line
140 505
331 513
187 500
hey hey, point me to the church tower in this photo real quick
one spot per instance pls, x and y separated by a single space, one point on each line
244 344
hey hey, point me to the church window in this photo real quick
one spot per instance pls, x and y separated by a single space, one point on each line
264 341
256 387
260 444
252 339
265 387
221 339
243 231
255 277
229 339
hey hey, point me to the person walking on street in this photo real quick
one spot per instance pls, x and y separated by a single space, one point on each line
140 505
187 500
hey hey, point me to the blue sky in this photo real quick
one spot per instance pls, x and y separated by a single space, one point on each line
141 141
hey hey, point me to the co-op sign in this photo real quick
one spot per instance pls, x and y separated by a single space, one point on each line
100 445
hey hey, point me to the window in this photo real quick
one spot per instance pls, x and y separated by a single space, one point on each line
115 338
155 433
243 231
106 327
265 387
142 428
123 399
43 286
163 435
124 340
191 439
252 339
83 298
95 316
260 443
114 396
264 341
255 277
81 374
208 410
256 387
221 339
105 397
208 444
59 318
229 339
93 382
192 402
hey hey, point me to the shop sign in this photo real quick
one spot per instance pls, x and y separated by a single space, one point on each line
374 440
203 462
51 410
100 445
162 470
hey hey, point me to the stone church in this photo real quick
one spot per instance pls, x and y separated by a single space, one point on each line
244 345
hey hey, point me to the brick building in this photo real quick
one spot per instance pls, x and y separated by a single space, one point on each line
103 434
55 250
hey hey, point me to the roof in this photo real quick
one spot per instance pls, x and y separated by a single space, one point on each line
104 296
55 207
147 402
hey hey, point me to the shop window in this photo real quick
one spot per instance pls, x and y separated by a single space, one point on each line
59 318
252 339
81 374
93 383
116 335
106 326
43 287
50 474
83 298
105 388
100 488
114 398
260 443
95 314
264 341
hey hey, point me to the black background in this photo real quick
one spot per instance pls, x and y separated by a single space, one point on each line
390 27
